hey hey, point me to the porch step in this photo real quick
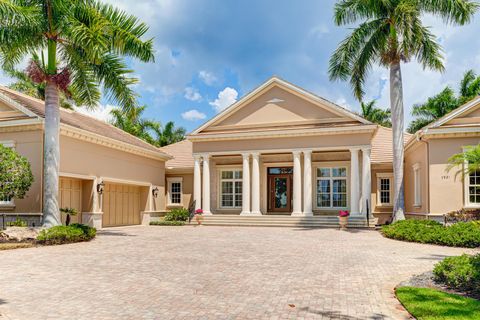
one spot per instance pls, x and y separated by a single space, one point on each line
281 221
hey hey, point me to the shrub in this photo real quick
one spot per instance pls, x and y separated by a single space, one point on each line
462 234
167 223
464 215
177 214
461 273
17 223
66 234
15 174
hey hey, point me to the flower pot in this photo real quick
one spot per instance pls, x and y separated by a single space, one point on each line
343 221
199 218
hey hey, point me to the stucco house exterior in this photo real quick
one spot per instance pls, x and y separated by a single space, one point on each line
95 156
281 150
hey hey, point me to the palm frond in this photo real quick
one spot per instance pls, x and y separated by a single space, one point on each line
451 11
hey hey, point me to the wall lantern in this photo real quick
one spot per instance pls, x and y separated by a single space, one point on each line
100 187
155 192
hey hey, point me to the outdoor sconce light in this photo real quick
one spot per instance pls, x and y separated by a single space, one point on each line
100 187
155 192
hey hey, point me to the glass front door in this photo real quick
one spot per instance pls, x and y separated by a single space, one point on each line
280 186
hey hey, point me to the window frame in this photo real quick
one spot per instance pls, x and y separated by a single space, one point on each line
316 178
170 181
233 180
417 185
11 203
380 176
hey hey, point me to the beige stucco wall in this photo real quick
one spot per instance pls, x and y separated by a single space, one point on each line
416 155
334 141
30 145
446 192
85 158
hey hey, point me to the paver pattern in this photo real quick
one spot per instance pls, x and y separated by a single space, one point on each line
214 273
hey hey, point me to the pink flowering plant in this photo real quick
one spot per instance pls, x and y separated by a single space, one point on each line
198 211
343 213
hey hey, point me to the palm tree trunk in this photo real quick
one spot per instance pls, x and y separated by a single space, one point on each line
396 105
51 164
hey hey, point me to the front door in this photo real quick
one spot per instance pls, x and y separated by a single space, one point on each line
279 189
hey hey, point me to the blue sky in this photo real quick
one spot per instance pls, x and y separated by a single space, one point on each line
210 53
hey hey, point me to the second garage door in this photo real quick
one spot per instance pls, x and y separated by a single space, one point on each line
121 205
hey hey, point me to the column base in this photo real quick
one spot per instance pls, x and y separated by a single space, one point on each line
92 219
207 213
297 214
252 213
245 213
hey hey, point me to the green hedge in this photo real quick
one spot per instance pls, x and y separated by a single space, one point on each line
167 223
178 214
462 234
67 234
461 273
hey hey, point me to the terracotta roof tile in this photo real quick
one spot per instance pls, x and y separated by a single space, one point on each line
80 121
182 155
382 150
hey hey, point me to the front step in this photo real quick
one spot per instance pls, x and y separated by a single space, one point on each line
281 221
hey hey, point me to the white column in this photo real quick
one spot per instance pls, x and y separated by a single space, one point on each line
206 185
197 182
297 184
256 183
366 181
307 183
354 181
246 184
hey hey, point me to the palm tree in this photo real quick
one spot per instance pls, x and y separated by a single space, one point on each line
374 114
469 87
467 162
131 121
168 134
80 45
435 107
391 32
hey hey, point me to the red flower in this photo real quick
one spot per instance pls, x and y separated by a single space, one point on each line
343 213
198 211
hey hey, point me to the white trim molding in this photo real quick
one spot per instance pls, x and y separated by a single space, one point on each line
171 180
389 176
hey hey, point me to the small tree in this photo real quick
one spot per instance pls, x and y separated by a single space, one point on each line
466 162
15 174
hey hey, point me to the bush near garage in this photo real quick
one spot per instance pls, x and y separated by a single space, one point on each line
75 232
167 223
177 214
462 234
460 273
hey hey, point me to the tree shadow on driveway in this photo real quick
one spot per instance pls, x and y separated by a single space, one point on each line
338 315
115 233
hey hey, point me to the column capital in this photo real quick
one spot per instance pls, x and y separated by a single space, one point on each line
296 152
246 155
255 154
366 149
354 149
197 157
307 151
206 156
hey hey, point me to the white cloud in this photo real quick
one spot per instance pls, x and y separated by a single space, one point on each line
343 103
207 77
319 30
226 97
192 94
101 112
193 115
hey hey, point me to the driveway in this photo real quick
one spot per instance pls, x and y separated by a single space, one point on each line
213 273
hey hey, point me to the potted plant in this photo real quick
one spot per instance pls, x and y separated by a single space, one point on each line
69 212
343 219
198 216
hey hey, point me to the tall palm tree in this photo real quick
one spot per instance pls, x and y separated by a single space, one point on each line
391 32
168 134
131 121
80 45
469 87
374 114
435 107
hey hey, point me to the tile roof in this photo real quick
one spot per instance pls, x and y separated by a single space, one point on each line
182 153
80 121
382 150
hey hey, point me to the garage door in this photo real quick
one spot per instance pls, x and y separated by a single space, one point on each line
70 196
121 205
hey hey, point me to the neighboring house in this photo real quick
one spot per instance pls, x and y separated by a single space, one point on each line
283 150
429 189
109 176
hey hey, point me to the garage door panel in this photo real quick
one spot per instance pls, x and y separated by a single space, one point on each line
123 207
70 196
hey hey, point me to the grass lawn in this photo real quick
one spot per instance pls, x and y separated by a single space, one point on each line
431 304
14 245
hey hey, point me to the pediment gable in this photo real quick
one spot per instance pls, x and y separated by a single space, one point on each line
277 104
8 111
467 115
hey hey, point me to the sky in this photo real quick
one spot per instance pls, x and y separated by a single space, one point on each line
210 53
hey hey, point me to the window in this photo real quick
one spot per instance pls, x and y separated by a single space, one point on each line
474 188
417 200
175 191
7 201
384 189
332 187
231 188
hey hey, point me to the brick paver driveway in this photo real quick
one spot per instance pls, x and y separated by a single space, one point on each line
213 273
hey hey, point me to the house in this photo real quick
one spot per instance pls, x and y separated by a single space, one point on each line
110 177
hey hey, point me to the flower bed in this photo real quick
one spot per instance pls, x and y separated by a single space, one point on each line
167 223
66 234
462 234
